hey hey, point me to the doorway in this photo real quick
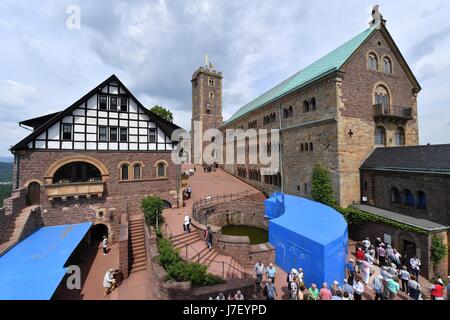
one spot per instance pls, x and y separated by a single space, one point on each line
96 235
409 250
34 194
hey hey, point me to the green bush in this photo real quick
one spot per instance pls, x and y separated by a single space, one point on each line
179 270
438 250
322 189
152 208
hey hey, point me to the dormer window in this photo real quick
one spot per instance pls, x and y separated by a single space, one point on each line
67 131
103 103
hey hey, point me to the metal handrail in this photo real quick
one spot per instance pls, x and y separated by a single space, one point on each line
245 274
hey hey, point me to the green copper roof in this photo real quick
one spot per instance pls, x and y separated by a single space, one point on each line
329 63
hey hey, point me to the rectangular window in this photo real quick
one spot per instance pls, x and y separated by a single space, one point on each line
103 104
152 135
102 134
123 134
113 103
112 134
67 131
123 105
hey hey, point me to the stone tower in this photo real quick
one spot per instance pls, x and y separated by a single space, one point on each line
206 105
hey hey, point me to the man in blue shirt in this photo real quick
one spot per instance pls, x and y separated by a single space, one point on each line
270 272
350 267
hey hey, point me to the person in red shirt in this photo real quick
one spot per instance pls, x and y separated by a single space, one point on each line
437 290
359 257
325 293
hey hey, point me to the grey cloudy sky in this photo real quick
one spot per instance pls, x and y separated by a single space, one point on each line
155 46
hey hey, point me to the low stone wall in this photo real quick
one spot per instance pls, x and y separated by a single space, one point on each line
34 221
171 290
12 207
239 213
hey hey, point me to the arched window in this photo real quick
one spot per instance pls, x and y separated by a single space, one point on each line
77 172
380 136
305 106
382 99
285 113
124 172
395 196
387 65
301 147
311 148
290 111
408 198
313 103
373 62
421 200
306 146
400 137
161 170
137 172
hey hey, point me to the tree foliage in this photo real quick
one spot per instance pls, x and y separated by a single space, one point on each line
322 190
438 250
163 112
152 208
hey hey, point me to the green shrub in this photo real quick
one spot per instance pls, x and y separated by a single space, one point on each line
322 189
438 251
152 208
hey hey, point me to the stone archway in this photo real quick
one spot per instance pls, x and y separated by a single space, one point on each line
96 234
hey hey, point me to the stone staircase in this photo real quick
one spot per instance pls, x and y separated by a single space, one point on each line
19 229
138 256
193 247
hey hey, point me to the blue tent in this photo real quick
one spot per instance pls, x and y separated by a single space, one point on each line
33 268
309 235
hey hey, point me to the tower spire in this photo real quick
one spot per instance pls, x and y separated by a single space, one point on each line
206 60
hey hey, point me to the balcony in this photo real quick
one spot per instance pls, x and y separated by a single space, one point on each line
393 113
75 190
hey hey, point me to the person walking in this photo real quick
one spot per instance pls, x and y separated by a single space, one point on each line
391 289
359 255
351 270
325 293
259 271
293 293
404 277
209 237
414 288
365 271
270 291
105 245
381 255
187 223
271 272
300 276
358 288
366 243
378 287
335 288
415 266
347 288
437 290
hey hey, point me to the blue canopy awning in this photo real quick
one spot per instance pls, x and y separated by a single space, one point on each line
33 268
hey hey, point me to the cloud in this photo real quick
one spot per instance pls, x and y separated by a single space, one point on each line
15 99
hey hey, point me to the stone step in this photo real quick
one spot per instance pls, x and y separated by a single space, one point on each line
191 239
139 259
183 236
190 242
138 268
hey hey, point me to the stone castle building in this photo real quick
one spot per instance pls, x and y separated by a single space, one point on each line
345 108
94 161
